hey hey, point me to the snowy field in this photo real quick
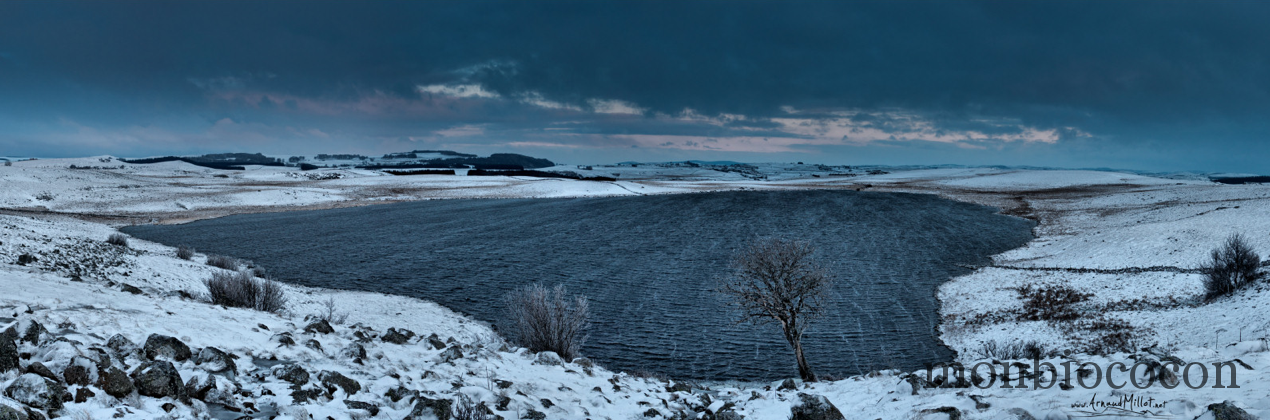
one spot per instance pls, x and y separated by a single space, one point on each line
1127 242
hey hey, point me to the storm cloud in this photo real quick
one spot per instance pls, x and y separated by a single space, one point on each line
1156 86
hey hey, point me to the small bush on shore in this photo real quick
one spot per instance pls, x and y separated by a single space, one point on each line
239 289
547 320
1013 351
221 261
185 252
331 313
118 239
1231 266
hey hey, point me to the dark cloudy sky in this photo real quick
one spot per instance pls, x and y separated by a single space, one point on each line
1135 85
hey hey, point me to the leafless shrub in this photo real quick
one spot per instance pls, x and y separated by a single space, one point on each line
547 320
221 261
991 349
8 163
44 196
118 239
465 408
240 289
1052 303
1231 266
184 252
330 312
777 280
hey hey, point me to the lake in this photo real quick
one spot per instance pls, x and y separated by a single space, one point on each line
649 265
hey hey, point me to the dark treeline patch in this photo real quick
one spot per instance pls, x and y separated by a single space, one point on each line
1238 180
224 161
539 174
423 172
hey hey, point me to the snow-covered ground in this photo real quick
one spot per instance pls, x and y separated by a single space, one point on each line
1128 241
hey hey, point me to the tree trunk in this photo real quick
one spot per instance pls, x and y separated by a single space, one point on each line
804 370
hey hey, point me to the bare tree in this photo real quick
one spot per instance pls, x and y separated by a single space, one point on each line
778 280
546 320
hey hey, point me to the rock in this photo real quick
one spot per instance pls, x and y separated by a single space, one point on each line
36 391
728 414
120 344
33 332
501 402
115 382
25 259
585 363
76 375
1225 410
216 361
168 407
39 369
788 385
100 358
397 337
1020 414
532 414
8 355
130 289
164 346
320 326
335 380
301 396
283 339
451 354
501 384
358 405
427 408
10 413
436 342
354 351
398 393
83 394
159 379
215 389
548 358
292 373
951 412
313 344
814 407
679 387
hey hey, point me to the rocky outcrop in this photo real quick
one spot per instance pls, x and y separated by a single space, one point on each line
320 327
549 358
157 346
214 360
334 380
396 336
115 382
36 391
159 379
292 373
814 407
1225 410
8 355
427 408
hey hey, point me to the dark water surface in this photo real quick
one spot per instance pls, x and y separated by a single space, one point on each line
648 265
